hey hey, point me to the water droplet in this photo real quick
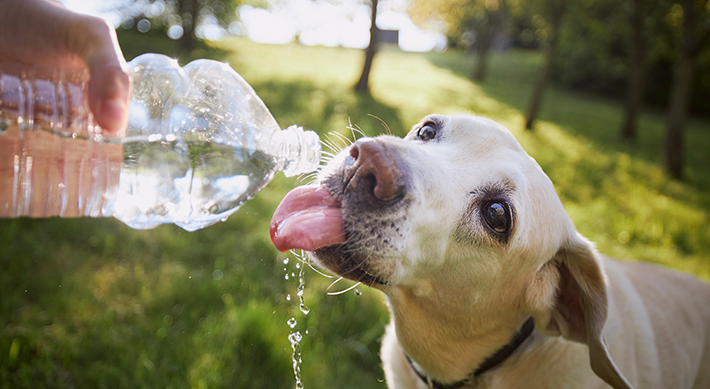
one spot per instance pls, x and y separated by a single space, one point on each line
298 265
291 322
286 277
358 292
285 269
224 219
288 297
295 338
301 286
285 261
293 274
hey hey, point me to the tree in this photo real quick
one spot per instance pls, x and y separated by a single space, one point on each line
485 18
553 11
362 85
634 91
488 22
693 37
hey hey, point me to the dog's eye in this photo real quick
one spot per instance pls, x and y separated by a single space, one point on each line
427 132
497 216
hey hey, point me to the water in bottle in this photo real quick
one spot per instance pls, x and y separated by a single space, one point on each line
199 143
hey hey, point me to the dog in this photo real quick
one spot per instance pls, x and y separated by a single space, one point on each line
487 281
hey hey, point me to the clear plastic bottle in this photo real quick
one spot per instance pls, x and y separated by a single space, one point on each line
199 143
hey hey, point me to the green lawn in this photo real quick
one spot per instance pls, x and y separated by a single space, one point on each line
93 304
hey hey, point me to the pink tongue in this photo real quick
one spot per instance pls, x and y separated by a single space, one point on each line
308 218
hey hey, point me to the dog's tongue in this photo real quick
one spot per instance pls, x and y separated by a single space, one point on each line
308 218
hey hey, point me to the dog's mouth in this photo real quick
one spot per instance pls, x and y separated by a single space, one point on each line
356 221
311 219
308 218
349 264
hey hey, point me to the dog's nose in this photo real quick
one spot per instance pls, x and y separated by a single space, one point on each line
374 174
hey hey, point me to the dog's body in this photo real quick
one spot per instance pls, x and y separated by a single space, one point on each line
467 238
656 331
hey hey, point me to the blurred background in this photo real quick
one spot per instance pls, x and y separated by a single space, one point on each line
612 97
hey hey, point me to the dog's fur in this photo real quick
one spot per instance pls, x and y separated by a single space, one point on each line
458 291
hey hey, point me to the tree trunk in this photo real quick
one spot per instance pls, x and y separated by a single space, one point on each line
690 45
542 79
484 37
482 50
634 90
188 13
362 84
678 108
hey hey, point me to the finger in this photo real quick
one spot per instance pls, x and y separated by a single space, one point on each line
108 98
109 85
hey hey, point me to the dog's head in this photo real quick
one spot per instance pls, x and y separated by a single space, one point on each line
458 215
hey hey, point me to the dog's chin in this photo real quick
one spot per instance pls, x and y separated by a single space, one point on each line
353 265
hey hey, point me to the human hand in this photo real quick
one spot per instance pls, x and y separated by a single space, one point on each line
43 32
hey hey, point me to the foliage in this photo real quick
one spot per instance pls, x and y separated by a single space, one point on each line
187 16
595 42
92 303
166 13
461 16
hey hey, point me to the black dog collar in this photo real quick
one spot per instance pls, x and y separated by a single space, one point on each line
491 362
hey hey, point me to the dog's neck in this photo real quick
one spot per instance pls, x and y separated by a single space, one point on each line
446 343
490 363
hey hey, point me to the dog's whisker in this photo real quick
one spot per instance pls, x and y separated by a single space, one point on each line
331 143
346 142
344 290
358 265
387 128
307 176
328 141
355 131
300 257
355 128
353 246
317 271
310 177
333 283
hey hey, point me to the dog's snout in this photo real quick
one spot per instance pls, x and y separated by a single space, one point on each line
374 174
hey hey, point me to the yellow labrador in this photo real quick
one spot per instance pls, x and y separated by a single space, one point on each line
465 235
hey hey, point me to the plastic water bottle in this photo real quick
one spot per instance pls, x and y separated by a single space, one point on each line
199 143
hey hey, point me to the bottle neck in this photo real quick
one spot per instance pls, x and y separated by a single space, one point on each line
296 150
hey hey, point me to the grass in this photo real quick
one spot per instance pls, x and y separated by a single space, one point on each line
93 304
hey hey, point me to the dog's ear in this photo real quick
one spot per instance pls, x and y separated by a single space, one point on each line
579 305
